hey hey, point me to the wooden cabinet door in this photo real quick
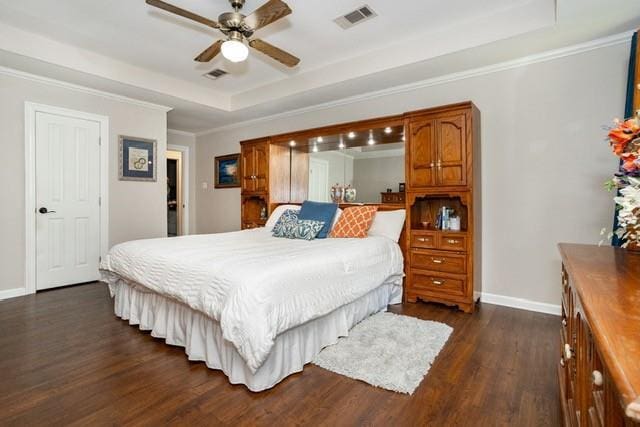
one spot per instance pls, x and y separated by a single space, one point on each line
422 150
261 167
451 159
247 160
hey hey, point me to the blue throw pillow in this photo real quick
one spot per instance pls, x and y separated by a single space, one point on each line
305 229
288 218
318 211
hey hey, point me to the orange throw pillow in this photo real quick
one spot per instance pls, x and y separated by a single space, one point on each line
354 222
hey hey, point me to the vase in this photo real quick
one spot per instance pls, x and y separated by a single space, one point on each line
336 193
349 194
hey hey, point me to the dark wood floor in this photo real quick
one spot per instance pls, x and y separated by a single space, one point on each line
65 359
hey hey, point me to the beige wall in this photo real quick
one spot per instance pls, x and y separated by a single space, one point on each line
188 141
544 160
136 209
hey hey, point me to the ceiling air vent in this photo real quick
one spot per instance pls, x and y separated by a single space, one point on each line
215 74
358 16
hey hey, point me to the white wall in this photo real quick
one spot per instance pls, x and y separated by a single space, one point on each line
188 140
374 175
136 209
544 160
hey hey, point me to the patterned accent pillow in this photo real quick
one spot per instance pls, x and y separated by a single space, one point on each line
301 229
288 218
354 222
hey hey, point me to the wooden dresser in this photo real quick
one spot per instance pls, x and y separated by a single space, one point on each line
390 198
443 170
599 365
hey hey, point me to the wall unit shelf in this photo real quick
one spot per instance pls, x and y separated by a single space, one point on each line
253 208
443 170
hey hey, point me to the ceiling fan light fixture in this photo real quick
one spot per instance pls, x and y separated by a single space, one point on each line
234 50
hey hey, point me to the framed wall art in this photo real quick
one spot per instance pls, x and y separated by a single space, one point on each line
227 171
137 159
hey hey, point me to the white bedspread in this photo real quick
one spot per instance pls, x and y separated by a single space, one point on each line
257 286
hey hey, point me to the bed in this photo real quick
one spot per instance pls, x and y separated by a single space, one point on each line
254 306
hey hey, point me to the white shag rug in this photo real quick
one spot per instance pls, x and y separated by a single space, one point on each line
387 350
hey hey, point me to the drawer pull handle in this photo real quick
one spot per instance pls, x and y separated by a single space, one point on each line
453 241
421 239
437 261
564 322
596 376
568 353
562 362
437 282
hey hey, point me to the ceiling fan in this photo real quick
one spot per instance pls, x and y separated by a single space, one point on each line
238 28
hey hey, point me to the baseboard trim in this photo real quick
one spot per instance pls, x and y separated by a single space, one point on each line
521 303
12 293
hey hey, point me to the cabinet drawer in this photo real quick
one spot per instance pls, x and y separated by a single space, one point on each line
439 261
437 283
423 239
392 197
453 242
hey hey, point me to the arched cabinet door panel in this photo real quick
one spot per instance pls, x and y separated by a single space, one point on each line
451 159
261 172
247 160
422 153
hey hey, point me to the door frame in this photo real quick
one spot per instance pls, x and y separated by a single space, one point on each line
186 196
30 110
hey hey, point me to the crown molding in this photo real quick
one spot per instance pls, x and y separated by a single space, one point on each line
550 55
181 132
83 89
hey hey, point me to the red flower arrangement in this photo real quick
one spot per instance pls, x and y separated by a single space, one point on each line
624 139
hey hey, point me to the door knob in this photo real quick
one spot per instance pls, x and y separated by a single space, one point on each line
44 210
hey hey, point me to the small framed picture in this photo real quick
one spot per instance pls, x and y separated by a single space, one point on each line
137 159
227 170
401 187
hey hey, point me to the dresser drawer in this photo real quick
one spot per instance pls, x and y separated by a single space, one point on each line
437 283
439 261
392 198
423 239
453 242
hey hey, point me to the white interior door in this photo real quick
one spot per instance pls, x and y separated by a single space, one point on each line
318 180
67 200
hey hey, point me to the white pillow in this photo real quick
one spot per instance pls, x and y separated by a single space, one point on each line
388 224
277 213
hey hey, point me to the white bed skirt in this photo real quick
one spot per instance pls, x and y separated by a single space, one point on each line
202 338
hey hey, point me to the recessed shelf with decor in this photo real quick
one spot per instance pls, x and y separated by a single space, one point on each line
427 213
254 211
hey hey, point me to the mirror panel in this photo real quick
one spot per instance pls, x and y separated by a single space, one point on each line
355 167
347 167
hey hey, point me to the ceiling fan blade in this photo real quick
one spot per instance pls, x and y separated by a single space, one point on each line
184 13
269 12
274 52
209 53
